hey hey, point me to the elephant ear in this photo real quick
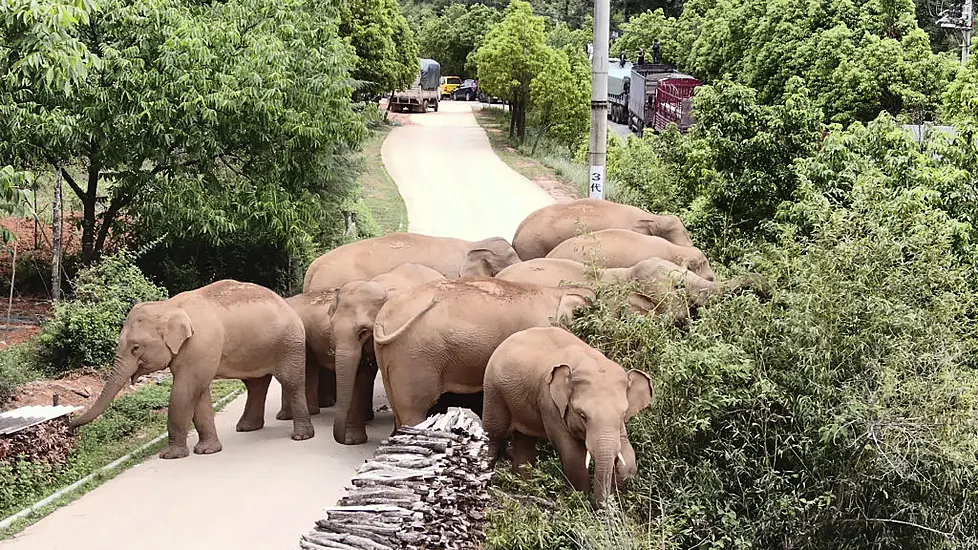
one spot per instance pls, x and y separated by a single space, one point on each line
646 226
571 302
560 388
477 263
639 393
177 330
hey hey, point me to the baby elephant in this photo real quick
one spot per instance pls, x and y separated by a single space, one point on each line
546 382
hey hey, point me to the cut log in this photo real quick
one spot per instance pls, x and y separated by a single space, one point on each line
427 486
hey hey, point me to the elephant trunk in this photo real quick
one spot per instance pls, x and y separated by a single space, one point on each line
605 449
348 425
119 377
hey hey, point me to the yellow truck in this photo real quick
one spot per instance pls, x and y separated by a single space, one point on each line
448 85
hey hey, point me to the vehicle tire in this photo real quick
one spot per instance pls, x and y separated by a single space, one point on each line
436 106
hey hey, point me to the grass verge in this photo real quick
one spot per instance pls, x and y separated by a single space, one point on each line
556 173
380 194
133 420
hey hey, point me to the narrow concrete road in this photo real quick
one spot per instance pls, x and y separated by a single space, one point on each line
452 182
264 490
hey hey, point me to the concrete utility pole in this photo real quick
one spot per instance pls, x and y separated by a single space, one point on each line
599 99
963 20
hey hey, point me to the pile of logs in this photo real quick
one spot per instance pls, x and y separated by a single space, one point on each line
427 486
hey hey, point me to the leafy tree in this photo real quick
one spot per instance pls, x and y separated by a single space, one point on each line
513 53
39 56
244 102
387 52
563 37
456 34
960 100
560 97
642 31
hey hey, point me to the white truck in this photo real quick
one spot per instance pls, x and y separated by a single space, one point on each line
423 94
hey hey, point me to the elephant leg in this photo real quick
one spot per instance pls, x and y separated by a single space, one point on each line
253 417
572 457
290 373
412 390
524 453
207 443
364 386
183 401
496 419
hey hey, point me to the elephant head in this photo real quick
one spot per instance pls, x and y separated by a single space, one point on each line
693 259
151 337
668 227
355 309
488 257
595 404
572 298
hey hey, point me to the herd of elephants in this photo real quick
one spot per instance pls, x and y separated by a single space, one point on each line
434 315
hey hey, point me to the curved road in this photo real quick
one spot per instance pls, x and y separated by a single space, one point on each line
264 490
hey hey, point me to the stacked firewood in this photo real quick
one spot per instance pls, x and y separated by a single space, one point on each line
427 486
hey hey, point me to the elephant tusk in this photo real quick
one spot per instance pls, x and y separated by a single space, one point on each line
587 460
621 458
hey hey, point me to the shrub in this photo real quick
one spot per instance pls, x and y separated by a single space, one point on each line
85 329
842 413
17 366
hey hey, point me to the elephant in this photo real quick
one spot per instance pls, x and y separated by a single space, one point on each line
547 227
662 285
547 383
314 308
453 258
227 329
357 304
438 337
623 248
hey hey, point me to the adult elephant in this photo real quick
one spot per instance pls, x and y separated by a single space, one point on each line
623 248
357 304
438 337
453 258
551 225
662 285
227 329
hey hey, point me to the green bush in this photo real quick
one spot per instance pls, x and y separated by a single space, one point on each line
85 328
17 366
842 413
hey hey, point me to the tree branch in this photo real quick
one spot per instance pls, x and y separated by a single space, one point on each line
71 182
116 205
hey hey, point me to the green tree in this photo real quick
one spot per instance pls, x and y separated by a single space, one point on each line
452 37
642 31
387 52
560 98
513 53
245 101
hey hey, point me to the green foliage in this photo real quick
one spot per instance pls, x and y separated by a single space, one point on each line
563 37
560 97
510 57
17 366
201 119
452 37
858 58
84 331
386 49
961 97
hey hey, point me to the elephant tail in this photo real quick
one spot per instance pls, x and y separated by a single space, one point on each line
382 339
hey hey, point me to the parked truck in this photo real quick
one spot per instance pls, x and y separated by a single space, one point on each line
659 95
423 94
619 75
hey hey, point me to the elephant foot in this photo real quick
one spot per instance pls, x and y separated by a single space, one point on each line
369 414
172 451
283 415
327 402
303 431
313 411
249 425
208 447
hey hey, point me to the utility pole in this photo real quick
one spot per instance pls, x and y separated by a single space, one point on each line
960 18
599 99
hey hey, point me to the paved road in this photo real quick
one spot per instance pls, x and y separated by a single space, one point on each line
264 490
452 183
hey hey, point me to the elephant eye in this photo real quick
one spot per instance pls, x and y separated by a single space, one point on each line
135 348
583 416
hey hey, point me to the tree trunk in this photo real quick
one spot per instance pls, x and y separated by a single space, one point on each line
512 119
543 130
56 237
